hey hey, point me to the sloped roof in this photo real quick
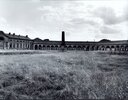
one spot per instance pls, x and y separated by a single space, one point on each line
105 40
38 40
13 36
17 36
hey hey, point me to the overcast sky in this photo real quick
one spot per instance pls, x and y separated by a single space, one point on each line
82 20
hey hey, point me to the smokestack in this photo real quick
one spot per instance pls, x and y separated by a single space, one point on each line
63 39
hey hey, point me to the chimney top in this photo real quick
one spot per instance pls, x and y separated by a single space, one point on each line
13 33
63 31
26 35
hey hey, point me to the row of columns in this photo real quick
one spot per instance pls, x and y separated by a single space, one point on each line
13 45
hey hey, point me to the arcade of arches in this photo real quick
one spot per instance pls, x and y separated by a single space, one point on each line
82 47
12 41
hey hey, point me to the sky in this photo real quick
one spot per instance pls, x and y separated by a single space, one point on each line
82 20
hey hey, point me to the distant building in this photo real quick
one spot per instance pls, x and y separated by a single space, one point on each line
13 41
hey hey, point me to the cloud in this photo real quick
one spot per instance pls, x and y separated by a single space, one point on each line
83 21
109 30
108 15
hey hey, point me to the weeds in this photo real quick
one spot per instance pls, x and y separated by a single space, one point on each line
64 75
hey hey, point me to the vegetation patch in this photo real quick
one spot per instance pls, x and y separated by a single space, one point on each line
63 75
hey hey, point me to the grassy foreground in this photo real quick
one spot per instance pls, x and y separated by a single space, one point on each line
64 75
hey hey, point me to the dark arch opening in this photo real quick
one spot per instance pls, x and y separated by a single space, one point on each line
40 47
126 48
93 48
112 48
48 46
101 47
10 45
56 46
70 46
36 47
108 48
44 46
87 49
117 48
52 46
1 38
74 46
79 46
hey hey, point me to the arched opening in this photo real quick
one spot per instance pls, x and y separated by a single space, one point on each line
40 47
102 48
83 46
48 47
70 46
10 45
1 38
87 48
93 48
43 47
112 48
74 46
126 48
79 47
108 48
56 47
36 47
117 48
52 47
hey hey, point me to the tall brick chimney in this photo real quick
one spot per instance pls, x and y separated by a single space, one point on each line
63 39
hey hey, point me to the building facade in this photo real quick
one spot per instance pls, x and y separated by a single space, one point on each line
12 41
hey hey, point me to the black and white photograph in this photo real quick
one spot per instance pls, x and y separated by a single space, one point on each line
63 49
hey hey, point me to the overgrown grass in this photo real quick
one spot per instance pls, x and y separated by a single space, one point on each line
64 75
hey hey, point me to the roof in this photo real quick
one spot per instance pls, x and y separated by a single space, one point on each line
13 36
17 36
38 40
105 40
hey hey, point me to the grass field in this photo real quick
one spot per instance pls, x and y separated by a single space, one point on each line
63 75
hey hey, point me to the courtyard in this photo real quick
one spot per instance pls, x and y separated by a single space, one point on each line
63 75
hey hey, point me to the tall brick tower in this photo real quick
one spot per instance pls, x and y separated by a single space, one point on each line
63 39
